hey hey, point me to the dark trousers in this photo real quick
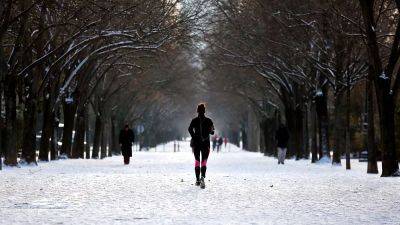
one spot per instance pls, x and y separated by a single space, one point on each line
126 160
204 152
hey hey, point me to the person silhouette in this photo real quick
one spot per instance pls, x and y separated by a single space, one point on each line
126 139
200 129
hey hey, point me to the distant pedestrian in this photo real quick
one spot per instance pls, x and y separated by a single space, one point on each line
200 129
282 138
220 141
126 139
225 141
214 142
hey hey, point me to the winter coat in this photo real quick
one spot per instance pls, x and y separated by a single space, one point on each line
282 137
126 139
220 140
200 129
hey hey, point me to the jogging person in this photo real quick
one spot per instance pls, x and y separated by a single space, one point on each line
200 129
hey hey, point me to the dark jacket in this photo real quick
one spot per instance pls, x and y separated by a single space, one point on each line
200 129
282 137
126 139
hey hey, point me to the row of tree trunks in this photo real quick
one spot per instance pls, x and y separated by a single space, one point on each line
382 81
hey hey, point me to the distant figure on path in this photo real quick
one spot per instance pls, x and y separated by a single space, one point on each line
220 141
282 138
214 142
225 141
126 139
200 129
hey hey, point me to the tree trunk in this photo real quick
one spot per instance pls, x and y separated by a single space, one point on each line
390 166
290 115
339 130
306 136
348 105
46 130
372 162
322 111
2 123
69 118
114 139
79 138
244 138
314 131
87 135
29 133
97 137
384 94
299 133
54 138
11 154
103 142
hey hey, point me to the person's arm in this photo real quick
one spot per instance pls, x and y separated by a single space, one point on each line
212 127
190 129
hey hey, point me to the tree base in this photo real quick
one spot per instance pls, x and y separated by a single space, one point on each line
324 160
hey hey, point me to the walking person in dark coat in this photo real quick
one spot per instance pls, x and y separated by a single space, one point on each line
282 138
220 141
126 139
200 129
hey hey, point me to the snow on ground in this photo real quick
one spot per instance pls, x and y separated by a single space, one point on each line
157 188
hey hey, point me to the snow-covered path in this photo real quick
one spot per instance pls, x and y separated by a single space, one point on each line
157 188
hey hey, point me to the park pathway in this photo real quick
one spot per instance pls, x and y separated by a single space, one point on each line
157 188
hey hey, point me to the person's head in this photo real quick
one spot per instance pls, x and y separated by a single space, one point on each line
126 127
201 109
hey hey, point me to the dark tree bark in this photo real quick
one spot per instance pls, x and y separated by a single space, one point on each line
306 132
314 131
87 135
46 129
10 98
372 161
115 150
69 118
97 136
79 139
29 133
104 141
322 112
339 130
54 138
348 140
298 133
383 90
